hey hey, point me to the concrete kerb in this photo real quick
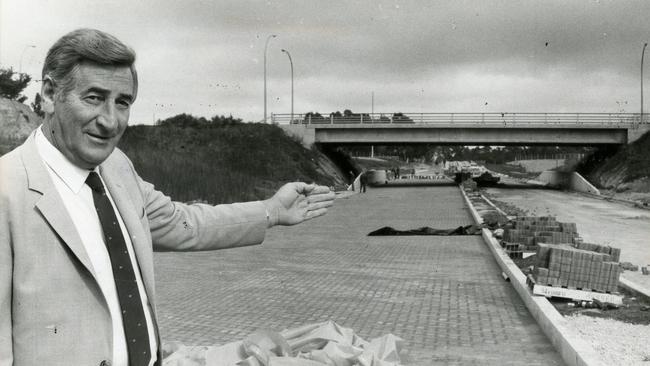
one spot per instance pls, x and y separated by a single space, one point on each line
574 351
494 206
356 185
634 287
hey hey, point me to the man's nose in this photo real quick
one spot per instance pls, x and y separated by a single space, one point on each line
108 116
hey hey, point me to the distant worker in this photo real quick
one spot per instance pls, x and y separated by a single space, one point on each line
363 181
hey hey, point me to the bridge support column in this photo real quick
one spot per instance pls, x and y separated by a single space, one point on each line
303 132
635 133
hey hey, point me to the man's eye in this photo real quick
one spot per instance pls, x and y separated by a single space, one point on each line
93 99
123 104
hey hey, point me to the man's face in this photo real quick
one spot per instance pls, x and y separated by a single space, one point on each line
89 119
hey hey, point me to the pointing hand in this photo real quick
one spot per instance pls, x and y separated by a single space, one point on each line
296 202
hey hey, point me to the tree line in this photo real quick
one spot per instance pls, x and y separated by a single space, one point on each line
12 85
487 154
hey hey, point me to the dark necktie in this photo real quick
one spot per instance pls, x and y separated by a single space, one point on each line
135 325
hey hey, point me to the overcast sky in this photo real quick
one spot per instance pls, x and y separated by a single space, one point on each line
205 57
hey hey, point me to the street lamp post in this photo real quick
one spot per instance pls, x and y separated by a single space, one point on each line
266 46
291 63
20 65
642 54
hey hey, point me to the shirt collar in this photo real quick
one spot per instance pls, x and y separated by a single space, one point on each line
73 176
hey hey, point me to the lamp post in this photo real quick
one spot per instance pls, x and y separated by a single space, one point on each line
266 46
642 54
20 65
291 63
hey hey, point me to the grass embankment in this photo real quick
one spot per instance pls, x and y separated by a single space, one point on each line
630 162
220 163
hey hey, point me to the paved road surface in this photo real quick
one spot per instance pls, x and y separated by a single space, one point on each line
598 221
443 295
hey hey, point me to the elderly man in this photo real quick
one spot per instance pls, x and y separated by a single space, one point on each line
78 226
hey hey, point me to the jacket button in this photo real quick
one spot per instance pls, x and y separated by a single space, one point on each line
105 363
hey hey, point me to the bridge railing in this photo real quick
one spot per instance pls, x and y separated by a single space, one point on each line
494 119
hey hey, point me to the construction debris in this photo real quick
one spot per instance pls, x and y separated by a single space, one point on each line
627 266
604 305
312 344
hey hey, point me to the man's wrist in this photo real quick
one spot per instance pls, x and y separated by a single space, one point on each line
271 213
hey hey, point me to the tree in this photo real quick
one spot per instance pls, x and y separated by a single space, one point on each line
37 107
224 121
183 120
12 84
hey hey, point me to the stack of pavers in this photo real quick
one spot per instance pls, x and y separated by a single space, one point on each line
529 231
584 266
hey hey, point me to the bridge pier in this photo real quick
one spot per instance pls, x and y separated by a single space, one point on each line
635 133
306 134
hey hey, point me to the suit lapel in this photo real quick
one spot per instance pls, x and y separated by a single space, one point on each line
50 203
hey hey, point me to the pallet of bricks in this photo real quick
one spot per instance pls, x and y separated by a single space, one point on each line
526 233
586 266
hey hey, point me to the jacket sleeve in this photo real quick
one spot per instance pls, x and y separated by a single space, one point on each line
6 280
176 226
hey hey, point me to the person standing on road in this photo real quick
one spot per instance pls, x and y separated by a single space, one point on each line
78 226
363 181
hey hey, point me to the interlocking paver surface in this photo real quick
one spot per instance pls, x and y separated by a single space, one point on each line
443 295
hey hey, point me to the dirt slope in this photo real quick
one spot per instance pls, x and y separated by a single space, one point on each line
16 122
624 173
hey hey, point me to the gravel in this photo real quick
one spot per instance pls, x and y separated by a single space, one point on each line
616 342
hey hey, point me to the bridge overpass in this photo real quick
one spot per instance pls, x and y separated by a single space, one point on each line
467 128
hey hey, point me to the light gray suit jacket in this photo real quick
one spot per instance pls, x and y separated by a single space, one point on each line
52 310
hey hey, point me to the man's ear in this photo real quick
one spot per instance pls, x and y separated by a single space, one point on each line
48 93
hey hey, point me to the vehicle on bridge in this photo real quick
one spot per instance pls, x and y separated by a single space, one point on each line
347 117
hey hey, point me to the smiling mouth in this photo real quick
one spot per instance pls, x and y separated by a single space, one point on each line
98 137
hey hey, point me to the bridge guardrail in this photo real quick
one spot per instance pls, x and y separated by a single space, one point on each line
494 119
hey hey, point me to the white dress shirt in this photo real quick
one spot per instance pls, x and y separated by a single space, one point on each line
77 197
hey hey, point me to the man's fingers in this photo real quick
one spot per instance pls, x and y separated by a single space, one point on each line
318 190
318 205
330 196
303 188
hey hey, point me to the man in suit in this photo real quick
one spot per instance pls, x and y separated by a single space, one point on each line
78 226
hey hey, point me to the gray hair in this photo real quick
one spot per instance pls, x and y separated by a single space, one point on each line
86 45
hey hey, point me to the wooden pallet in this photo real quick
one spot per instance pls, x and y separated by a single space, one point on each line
572 293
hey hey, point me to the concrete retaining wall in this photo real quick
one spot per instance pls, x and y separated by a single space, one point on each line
634 134
538 165
573 181
377 177
306 134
